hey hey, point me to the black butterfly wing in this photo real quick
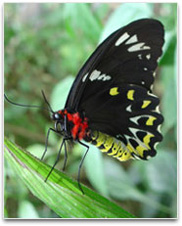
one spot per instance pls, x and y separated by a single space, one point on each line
113 88
128 56
130 114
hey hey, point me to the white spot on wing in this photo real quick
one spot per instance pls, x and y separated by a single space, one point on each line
84 77
101 77
157 109
155 145
133 130
145 47
148 56
104 77
107 78
136 157
118 136
159 128
135 119
138 47
151 94
128 108
94 75
122 39
145 69
140 56
133 39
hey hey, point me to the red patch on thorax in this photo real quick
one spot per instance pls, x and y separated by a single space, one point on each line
80 125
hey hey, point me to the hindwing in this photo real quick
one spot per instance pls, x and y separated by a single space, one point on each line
130 114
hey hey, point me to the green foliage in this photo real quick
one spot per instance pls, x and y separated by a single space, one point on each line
60 193
45 45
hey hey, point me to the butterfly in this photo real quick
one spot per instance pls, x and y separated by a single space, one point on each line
111 104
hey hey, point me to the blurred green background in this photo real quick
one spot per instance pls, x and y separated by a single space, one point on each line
44 47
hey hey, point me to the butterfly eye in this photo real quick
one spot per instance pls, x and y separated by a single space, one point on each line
55 116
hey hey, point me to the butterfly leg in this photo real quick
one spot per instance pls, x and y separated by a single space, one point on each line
57 159
80 166
58 156
65 156
46 143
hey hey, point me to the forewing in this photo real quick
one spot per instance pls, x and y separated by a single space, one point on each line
128 56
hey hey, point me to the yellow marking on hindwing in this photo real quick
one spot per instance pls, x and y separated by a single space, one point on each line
150 121
140 149
147 138
130 94
114 91
146 103
132 150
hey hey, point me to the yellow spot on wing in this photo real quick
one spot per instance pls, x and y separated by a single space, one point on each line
146 103
130 94
140 149
150 121
114 91
145 147
147 138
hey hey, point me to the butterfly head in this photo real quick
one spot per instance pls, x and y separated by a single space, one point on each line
60 124
56 116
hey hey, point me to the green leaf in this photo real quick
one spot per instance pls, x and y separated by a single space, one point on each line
60 93
169 49
125 14
169 99
82 18
60 192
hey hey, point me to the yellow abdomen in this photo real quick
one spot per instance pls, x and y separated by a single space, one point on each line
110 145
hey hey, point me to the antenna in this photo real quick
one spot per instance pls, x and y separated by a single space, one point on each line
49 106
26 105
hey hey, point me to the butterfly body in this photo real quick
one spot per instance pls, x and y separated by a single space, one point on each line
70 124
